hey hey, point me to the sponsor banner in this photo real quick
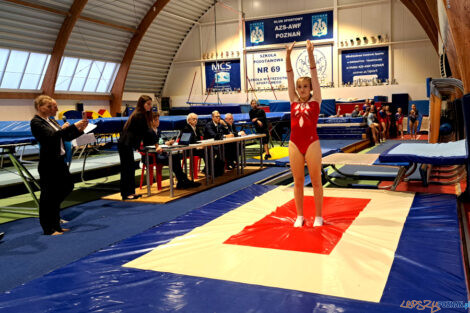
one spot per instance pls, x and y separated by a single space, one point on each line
313 26
365 64
268 68
223 76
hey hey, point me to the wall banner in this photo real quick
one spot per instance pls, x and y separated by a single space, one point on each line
223 76
277 30
364 64
268 68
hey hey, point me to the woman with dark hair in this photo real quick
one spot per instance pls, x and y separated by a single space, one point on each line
136 128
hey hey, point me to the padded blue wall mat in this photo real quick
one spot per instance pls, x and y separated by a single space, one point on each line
427 266
428 262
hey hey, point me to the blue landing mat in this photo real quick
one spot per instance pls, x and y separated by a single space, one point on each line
427 266
27 254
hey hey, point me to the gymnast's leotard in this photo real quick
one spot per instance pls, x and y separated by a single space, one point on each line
303 123
399 118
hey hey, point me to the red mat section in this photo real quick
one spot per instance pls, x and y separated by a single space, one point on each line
276 230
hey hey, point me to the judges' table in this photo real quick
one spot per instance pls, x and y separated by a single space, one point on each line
207 146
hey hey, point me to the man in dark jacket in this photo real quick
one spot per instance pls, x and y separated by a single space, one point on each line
230 148
258 118
215 128
196 134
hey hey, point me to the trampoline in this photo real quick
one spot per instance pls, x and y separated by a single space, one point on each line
402 156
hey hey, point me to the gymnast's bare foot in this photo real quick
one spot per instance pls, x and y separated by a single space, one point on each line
56 233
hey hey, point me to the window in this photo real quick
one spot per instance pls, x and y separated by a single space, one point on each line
26 70
66 71
21 69
37 64
94 76
85 75
109 73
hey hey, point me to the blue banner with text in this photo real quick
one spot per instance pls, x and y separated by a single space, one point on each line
223 76
365 64
313 26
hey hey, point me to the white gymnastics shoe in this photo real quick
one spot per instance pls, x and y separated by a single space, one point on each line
318 221
299 221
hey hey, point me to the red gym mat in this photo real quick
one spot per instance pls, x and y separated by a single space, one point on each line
276 230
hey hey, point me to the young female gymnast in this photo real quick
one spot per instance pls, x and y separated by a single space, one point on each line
304 144
413 120
399 121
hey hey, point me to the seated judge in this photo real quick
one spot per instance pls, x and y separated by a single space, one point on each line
196 133
230 148
231 127
215 128
162 157
191 127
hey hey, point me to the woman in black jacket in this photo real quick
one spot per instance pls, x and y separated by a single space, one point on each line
55 179
138 126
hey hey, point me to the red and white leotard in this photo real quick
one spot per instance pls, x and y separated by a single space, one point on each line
303 124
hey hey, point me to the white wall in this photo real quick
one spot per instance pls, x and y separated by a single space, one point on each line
412 56
415 90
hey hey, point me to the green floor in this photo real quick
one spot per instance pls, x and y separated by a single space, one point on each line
83 192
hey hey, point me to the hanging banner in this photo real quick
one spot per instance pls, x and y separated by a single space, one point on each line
223 76
364 64
313 26
267 69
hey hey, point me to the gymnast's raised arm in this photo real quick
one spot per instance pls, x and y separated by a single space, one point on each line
313 73
290 74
